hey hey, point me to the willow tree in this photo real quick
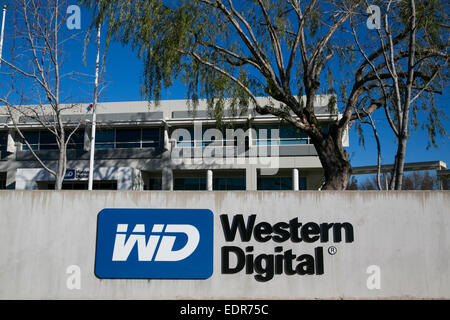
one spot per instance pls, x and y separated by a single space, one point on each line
235 51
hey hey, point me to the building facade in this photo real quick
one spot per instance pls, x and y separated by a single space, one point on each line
171 146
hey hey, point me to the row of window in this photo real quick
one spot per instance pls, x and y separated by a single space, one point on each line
151 138
228 183
191 183
105 139
83 185
45 140
265 135
280 183
128 138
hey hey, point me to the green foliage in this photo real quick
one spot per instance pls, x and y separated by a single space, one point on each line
332 105
172 37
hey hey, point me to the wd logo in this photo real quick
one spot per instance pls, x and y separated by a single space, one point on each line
154 244
146 250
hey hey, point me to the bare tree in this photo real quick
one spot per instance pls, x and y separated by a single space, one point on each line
34 90
407 66
416 180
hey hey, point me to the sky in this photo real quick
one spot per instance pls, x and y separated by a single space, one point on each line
123 74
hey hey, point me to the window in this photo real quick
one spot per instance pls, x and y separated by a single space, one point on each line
189 184
153 184
104 185
235 183
105 139
2 181
76 140
280 183
3 141
128 138
151 138
186 137
274 183
32 138
292 135
287 135
83 185
302 183
45 140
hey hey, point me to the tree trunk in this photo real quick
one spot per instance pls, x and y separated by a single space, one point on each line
401 152
60 172
62 162
334 160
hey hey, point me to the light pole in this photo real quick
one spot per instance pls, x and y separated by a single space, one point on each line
1 35
94 116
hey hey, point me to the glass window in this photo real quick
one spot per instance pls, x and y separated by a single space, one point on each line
128 138
83 185
292 135
302 183
47 141
32 137
74 185
3 141
76 140
287 135
2 181
189 184
236 183
104 185
105 139
151 138
154 184
274 183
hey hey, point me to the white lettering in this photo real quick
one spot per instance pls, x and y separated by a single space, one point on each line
74 20
146 250
374 280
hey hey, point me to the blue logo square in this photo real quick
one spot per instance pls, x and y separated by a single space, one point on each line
154 244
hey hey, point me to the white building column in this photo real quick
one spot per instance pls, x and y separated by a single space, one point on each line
167 179
295 179
251 178
11 143
166 138
209 180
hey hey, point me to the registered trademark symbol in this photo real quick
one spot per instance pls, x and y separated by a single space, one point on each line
332 250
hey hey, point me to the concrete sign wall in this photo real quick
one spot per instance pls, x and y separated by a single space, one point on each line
266 245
